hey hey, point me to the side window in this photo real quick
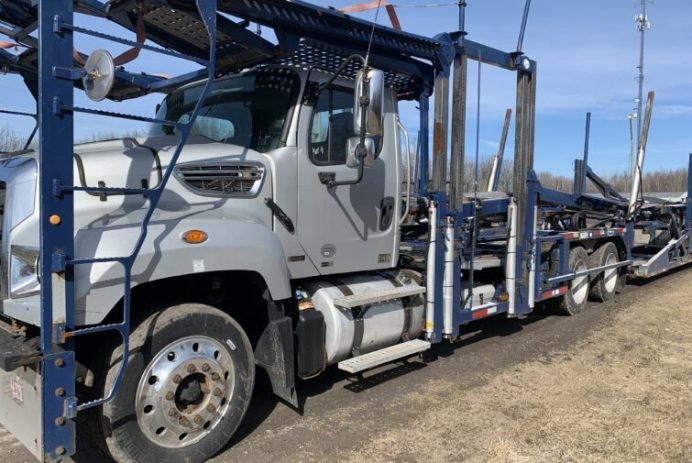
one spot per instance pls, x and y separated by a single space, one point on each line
332 126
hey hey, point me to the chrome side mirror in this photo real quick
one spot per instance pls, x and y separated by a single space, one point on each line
369 98
352 159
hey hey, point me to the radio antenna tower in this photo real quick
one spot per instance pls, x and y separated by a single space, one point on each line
643 25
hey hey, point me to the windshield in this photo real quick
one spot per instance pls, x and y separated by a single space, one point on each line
248 110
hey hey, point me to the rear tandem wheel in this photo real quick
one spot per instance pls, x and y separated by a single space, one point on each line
575 300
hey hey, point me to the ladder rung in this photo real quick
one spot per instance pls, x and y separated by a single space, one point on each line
114 190
133 117
97 260
95 329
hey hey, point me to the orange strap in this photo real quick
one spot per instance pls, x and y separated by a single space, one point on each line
7 45
360 7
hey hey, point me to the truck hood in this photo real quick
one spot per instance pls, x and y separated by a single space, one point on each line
126 162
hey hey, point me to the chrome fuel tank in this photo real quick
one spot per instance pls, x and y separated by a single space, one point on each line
381 324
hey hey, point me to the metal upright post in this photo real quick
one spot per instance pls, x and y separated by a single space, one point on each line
423 137
585 165
643 25
56 227
456 185
641 154
496 171
456 168
531 119
523 159
440 129
582 164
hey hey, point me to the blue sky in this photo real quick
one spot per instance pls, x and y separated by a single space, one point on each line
587 53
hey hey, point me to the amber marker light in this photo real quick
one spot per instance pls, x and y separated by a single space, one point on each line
195 236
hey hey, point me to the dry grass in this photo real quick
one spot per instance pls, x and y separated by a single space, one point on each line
620 395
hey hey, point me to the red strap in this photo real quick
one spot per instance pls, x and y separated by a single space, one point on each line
132 53
393 17
77 56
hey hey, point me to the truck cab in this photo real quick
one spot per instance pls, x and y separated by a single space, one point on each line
269 219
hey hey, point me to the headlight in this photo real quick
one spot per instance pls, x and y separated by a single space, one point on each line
23 271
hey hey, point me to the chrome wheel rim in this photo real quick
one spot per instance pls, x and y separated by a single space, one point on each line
185 391
580 285
610 275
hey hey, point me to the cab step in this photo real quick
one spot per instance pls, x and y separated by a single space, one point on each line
374 297
382 356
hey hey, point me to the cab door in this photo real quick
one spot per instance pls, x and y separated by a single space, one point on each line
347 228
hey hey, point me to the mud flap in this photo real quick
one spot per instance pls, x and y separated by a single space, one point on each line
20 407
274 352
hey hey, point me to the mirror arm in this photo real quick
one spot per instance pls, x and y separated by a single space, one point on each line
361 150
341 69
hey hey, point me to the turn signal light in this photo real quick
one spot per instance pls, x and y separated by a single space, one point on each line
195 236
503 297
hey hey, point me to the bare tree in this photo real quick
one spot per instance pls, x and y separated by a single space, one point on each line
10 141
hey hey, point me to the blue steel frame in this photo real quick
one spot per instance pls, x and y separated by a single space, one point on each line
453 45
55 120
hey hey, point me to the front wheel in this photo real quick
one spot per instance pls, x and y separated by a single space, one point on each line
186 388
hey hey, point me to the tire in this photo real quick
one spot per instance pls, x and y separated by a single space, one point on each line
605 284
186 388
574 301
663 238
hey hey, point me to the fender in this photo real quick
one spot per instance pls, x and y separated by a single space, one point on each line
233 243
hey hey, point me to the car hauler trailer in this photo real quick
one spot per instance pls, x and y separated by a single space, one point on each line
258 225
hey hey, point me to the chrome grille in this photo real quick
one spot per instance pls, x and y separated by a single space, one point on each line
222 179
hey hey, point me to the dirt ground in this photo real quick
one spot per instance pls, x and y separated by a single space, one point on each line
612 384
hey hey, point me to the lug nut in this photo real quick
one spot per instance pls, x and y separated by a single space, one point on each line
199 420
177 379
215 376
170 395
184 421
191 368
206 367
211 408
172 412
218 392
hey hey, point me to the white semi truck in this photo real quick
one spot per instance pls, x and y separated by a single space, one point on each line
262 223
